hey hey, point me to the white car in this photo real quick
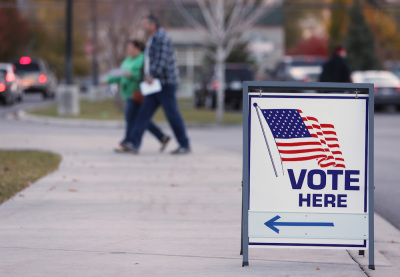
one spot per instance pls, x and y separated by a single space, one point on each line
36 76
387 86
298 68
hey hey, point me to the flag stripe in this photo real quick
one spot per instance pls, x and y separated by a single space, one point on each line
329 138
297 143
302 158
300 151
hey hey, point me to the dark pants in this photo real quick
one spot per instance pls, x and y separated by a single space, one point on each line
167 99
131 112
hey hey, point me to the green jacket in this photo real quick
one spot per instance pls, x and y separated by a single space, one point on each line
129 84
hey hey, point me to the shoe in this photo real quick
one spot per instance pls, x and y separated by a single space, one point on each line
129 147
120 150
181 150
121 144
164 142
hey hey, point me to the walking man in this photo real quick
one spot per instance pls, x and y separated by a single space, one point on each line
336 69
159 63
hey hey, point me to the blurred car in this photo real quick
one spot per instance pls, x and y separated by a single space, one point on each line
36 76
235 75
6 96
13 83
298 68
85 84
387 86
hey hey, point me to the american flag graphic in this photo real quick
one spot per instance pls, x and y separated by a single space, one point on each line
301 138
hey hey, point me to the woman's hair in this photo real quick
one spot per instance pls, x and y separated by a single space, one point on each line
137 44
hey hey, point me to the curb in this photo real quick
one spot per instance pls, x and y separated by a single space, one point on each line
22 115
387 250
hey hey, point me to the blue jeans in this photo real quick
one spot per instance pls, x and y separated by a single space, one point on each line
167 99
131 111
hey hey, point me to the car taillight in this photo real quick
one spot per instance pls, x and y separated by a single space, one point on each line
306 79
376 89
398 89
42 78
10 77
25 60
215 85
2 87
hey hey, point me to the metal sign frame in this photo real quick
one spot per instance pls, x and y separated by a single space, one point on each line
268 87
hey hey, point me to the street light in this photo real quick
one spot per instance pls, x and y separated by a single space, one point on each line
68 64
94 44
68 94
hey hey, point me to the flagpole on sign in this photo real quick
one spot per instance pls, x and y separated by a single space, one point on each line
265 137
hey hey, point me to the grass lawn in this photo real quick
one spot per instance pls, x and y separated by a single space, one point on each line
107 109
19 169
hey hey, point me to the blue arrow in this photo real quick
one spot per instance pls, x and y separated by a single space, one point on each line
272 223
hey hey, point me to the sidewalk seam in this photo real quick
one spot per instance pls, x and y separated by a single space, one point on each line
355 260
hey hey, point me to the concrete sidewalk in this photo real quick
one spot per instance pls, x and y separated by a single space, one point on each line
107 214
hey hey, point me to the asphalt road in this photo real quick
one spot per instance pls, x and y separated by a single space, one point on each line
387 167
31 101
387 149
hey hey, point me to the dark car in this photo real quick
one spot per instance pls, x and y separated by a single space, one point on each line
235 75
13 87
6 94
298 68
36 76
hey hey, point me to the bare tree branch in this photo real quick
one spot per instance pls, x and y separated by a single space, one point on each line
188 17
226 22
260 11
116 26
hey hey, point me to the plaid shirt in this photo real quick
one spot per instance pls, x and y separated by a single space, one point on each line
161 57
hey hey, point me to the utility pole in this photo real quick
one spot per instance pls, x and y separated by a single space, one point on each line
95 70
68 94
68 66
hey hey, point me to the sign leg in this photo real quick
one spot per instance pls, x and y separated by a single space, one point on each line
245 231
245 180
371 247
241 228
371 187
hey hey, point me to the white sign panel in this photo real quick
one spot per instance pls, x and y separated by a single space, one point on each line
308 181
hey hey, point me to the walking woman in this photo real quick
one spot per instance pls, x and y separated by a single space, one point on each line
132 67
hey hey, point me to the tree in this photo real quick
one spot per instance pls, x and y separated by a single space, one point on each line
360 42
224 23
297 13
240 54
382 24
119 23
13 30
386 32
47 35
339 22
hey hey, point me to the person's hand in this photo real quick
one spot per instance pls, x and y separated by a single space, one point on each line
127 74
149 80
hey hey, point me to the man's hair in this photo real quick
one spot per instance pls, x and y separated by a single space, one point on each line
153 20
137 44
